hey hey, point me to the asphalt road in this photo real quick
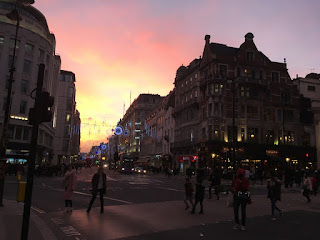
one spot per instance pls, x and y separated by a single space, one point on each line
121 189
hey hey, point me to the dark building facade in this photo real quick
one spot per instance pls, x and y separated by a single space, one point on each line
247 109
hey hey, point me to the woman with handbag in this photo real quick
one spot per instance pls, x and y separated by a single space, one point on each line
99 185
241 198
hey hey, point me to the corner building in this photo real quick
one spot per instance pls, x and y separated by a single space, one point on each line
35 45
247 110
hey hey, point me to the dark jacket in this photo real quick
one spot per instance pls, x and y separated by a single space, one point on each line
188 189
199 192
95 182
274 190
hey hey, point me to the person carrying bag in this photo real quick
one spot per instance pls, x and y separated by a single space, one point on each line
241 198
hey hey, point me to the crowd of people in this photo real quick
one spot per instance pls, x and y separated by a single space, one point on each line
40 169
240 191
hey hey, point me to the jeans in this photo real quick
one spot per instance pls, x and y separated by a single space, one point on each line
190 199
94 195
195 205
274 206
237 202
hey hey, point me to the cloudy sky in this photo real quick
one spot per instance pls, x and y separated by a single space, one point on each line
115 47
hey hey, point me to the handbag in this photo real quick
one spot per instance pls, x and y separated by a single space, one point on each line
243 195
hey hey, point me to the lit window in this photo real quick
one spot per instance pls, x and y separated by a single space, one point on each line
68 118
1 39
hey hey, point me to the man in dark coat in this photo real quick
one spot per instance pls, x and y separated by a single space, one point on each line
99 184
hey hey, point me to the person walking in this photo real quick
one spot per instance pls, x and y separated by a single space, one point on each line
315 182
241 198
307 187
199 196
274 194
99 185
189 193
69 181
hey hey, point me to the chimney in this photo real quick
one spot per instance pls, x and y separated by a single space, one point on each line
249 37
207 38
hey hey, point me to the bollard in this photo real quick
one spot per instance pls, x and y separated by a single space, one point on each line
21 191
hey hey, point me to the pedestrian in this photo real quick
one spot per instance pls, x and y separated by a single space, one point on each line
241 198
99 185
70 179
315 182
307 187
274 194
199 196
215 182
189 193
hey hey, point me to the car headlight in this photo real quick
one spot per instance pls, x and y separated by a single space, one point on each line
105 165
144 171
139 170
132 169
122 169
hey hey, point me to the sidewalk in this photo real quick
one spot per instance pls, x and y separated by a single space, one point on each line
149 218
11 222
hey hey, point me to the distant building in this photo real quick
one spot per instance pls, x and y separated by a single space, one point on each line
309 87
67 137
157 134
133 122
35 45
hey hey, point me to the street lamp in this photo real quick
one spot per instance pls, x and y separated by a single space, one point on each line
13 16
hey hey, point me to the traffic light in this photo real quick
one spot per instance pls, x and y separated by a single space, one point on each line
42 112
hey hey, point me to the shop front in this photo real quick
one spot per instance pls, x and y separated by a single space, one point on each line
187 161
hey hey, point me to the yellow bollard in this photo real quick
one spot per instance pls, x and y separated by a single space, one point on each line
21 191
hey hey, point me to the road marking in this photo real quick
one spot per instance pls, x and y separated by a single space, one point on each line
170 189
139 183
58 221
113 199
70 231
34 208
38 210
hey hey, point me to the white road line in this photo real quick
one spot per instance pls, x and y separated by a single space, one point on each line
170 189
70 231
34 208
38 210
113 199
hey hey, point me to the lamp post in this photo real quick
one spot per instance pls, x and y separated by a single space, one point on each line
13 16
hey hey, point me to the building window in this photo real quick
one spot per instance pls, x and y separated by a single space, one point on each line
275 77
11 44
306 139
67 78
24 86
242 134
285 97
252 112
23 107
243 111
289 137
28 48
10 131
216 132
69 106
261 74
68 118
26 66
70 92
279 115
40 53
288 114
250 56
268 95
253 74
223 70
196 94
18 133
25 133
269 137
230 135
210 109
268 116
311 88
10 61
1 40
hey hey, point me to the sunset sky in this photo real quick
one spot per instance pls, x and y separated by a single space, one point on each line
118 46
